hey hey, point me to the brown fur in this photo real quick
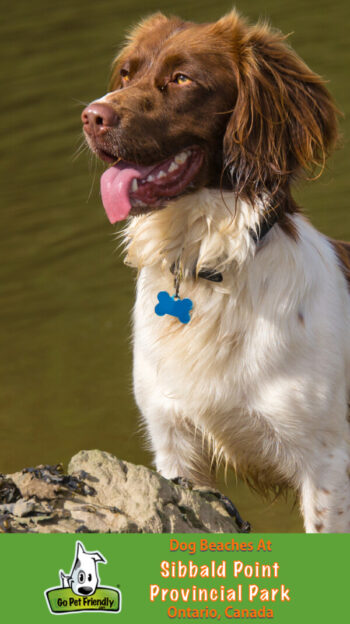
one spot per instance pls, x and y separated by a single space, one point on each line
342 249
259 114
284 119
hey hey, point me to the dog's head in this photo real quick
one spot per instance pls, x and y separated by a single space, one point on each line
223 105
84 578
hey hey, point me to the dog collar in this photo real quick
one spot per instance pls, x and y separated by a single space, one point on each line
268 221
181 308
208 274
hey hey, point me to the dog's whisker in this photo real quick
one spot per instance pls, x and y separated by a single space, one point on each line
79 150
80 102
92 181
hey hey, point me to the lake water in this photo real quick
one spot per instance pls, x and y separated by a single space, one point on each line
66 296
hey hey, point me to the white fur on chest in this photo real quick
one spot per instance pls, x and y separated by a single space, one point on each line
263 362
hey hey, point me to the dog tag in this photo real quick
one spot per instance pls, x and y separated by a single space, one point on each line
174 306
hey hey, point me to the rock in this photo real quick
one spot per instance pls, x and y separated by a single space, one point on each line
104 494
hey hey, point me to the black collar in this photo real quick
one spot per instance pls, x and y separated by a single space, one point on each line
208 274
268 221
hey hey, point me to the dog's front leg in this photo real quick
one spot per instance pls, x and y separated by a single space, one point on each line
179 449
325 493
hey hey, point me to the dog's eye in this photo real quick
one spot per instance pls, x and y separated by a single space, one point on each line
81 577
125 75
181 79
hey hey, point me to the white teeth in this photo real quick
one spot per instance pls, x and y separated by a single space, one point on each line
173 167
161 174
134 185
150 178
180 158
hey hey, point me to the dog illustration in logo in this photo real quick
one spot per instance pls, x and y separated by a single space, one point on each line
83 578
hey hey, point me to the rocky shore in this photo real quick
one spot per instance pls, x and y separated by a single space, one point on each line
100 493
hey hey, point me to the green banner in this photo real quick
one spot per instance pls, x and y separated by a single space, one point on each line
163 578
63 600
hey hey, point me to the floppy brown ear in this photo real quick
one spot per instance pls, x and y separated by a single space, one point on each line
284 119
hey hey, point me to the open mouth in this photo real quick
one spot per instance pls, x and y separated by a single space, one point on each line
127 188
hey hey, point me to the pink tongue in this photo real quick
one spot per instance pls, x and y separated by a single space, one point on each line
115 189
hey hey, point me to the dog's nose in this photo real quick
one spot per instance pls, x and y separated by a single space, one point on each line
85 590
98 117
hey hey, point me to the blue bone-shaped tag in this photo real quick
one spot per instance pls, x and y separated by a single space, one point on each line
180 308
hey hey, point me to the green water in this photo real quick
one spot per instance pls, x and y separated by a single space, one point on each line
65 296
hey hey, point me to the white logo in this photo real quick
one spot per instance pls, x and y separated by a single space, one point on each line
81 590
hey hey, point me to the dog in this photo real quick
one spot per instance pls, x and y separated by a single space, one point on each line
83 578
205 128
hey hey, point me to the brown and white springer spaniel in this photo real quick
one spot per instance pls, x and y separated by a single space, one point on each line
205 127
